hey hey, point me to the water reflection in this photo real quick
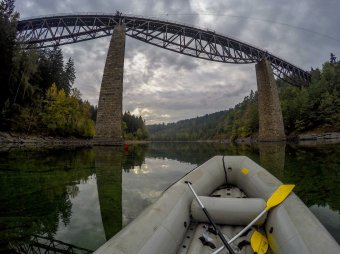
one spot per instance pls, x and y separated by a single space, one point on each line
198 153
85 196
142 185
272 157
85 228
316 172
108 163
37 188
315 169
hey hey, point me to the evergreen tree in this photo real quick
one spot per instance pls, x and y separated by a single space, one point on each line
134 127
24 66
57 67
8 19
69 75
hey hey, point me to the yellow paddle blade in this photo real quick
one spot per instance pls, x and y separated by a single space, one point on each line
279 195
259 243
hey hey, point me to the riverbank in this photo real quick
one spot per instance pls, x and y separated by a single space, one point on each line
41 140
17 139
323 137
8 139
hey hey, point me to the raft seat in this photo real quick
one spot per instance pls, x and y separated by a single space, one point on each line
229 211
232 210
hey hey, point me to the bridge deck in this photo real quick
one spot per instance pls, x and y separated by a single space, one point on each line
184 39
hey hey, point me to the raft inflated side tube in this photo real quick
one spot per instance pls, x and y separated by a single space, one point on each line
229 211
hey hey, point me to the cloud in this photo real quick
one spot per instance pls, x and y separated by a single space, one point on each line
164 86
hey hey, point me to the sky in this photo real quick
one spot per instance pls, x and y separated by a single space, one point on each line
164 86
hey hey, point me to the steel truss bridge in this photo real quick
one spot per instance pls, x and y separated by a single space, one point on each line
58 30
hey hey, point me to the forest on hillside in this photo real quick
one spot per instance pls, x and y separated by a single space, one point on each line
312 108
36 87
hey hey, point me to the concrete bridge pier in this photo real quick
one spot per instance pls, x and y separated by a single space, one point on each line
271 126
109 114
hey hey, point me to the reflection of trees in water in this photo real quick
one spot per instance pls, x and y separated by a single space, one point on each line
37 186
316 173
198 153
315 170
36 190
135 156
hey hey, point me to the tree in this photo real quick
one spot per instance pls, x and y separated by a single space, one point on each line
57 67
66 115
25 65
8 19
333 58
134 127
69 75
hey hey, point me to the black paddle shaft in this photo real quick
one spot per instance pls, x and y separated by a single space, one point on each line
220 234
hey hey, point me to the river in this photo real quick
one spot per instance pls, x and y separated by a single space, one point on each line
78 198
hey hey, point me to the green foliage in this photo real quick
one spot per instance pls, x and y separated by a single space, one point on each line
241 121
316 106
37 194
69 75
24 66
58 115
28 103
134 127
66 115
8 20
191 129
54 70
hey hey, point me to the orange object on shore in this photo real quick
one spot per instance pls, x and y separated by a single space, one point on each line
126 147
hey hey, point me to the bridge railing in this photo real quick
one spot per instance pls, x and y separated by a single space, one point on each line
156 18
233 47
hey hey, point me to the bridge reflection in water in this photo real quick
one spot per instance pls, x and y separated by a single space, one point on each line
68 200
272 157
108 164
61 199
41 244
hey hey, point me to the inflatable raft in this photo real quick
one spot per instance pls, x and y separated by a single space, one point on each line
234 190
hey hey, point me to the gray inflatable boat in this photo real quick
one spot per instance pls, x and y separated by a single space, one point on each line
234 190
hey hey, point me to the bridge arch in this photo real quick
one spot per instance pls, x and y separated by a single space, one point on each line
206 44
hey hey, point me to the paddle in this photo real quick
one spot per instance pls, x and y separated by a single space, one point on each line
220 234
259 243
279 195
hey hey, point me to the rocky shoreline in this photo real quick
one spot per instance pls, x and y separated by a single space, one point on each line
326 137
16 139
40 140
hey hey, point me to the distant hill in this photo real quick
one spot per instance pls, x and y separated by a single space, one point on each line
315 108
203 127
240 121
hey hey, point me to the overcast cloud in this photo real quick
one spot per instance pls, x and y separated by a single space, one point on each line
164 86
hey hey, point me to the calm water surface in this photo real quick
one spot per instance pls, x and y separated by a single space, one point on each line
79 198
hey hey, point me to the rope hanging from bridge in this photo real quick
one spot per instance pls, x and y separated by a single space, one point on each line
58 30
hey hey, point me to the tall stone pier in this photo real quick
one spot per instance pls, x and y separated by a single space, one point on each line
109 114
271 126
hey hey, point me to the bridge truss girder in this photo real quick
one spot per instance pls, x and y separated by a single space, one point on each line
205 44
